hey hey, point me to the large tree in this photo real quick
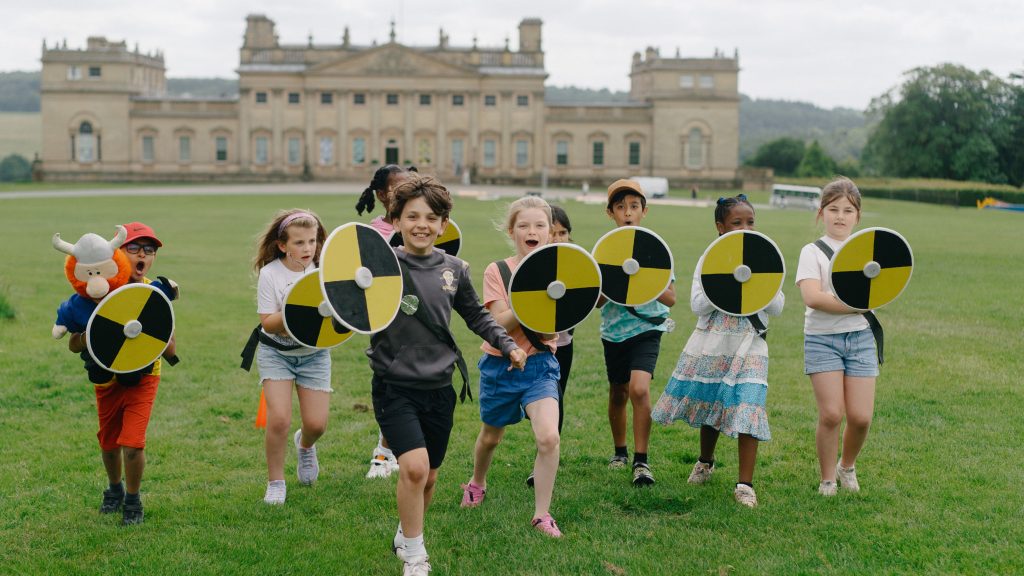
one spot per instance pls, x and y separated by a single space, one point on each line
783 155
945 121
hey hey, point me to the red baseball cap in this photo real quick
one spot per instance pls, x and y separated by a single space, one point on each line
138 230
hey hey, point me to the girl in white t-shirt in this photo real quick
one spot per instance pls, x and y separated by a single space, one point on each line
288 249
839 348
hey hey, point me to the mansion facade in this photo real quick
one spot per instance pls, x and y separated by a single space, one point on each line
339 111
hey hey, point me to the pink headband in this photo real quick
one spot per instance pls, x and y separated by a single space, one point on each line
291 218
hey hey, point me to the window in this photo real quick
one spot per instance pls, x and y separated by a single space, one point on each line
326 150
458 152
423 151
359 151
184 149
490 149
695 149
707 81
490 100
391 99
598 153
634 153
261 97
424 100
74 73
458 100
522 100
261 150
294 151
95 72
221 144
86 143
522 153
326 98
148 152
293 97
359 99
562 153
686 81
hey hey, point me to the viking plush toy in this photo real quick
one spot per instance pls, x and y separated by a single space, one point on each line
94 267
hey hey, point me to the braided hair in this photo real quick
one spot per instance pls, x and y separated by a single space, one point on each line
726 204
379 186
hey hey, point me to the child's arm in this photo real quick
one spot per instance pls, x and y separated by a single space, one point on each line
668 297
77 342
273 323
816 298
774 307
172 349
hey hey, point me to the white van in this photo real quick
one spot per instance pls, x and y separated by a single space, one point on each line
789 195
653 187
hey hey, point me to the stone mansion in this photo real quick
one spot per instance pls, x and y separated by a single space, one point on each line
337 111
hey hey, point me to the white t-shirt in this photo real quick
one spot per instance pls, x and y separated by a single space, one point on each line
813 265
275 281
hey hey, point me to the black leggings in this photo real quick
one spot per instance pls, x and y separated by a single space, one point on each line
564 356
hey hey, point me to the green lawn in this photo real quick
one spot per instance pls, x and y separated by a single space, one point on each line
941 476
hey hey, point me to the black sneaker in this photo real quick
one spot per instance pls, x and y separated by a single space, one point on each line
642 475
112 501
529 480
132 513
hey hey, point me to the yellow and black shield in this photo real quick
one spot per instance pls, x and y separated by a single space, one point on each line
360 278
554 288
450 240
130 328
741 272
307 316
636 265
872 268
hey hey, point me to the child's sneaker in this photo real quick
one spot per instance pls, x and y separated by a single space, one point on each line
398 548
642 474
276 491
847 478
827 488
529 479
701 472
418 567
309 467
546 524
381 465
618 461
745 495
132 513
472 495
112 500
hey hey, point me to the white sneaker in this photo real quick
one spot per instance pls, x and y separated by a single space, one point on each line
701 473
276 491
745 495
309 467
418 567
398 547
847 478
827 488
381 464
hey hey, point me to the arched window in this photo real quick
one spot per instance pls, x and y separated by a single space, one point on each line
695 149
86 143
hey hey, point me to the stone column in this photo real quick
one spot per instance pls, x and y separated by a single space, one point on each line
242 138
343 142
276 156
504 158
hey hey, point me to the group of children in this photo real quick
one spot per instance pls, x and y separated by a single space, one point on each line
719 384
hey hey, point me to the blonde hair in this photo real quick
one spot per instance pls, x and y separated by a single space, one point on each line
524 203
266 247
839 187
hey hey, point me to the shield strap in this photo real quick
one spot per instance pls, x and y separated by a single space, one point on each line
257 336
656 320
506 279
876 326
441 332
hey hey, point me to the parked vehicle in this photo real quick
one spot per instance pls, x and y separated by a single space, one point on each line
653 187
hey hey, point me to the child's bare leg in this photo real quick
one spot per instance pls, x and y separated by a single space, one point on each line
134 464
544 418
828 392
640 397
112 464
618 396
413 494
708 441
313 408
486 442
748 455
278 394
859 395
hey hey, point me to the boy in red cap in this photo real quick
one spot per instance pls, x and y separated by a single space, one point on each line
125 401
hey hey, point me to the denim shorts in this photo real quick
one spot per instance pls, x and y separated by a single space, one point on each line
312 371
504 393
850 352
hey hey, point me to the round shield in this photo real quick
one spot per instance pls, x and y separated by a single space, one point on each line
871 268
130 328
554 288
450 240
636 265
741 272
307 316
360 278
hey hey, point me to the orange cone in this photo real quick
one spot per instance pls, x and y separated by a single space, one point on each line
261 412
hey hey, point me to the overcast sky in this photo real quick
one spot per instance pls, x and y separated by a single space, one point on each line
820 51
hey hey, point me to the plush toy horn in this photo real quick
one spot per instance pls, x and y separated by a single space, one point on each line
118 238
62 245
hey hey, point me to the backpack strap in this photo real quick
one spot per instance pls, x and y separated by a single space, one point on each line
656 320
257 336
876 326
442 333
762 330
506 279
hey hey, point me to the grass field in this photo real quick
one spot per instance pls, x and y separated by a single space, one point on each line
21 133
940 475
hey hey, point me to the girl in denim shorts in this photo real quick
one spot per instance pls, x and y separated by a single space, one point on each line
839 348
288 249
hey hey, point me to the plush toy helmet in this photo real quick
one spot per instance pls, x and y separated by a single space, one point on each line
95 266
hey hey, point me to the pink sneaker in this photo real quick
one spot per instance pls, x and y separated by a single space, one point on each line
546 524
472 495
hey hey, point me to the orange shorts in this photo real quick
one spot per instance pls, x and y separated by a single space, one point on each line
124 412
